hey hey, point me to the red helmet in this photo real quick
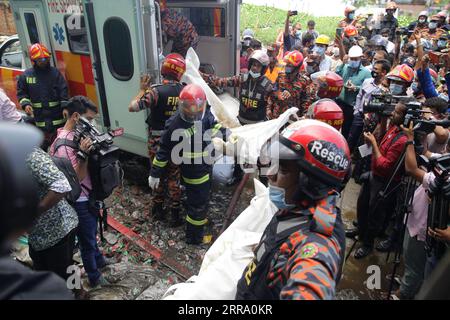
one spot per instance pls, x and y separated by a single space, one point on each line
192 103
350 31
38 51
174 65
402 72
330 84
320 150
293 59
326 110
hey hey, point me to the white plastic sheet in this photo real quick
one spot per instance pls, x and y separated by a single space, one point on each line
227 258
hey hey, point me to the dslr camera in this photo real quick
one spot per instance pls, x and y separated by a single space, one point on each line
102 143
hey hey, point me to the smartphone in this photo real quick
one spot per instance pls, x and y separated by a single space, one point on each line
339 32
294 13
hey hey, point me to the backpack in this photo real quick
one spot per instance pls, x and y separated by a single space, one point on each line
65 166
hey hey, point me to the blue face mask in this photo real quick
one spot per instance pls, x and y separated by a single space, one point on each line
319 50
396 89
298 34
254 74
442 43
432 25
354 64
351 16
278 197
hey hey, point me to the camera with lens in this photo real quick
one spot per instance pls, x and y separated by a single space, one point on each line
384 103
102 143
403 32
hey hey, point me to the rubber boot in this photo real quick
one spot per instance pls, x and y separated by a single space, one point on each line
175 218
158 212
194 234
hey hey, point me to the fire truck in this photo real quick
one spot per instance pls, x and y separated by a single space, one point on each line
103 47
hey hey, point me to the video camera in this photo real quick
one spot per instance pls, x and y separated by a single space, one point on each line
384 103
403 32
102 143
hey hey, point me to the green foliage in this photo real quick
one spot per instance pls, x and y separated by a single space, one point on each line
267 22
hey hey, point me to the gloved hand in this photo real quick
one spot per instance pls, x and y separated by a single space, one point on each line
218 144
153 182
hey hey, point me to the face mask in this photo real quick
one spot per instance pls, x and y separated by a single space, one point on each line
432 25
254 74
396 89
319 50
288 70
422 20
354 64
298 34
278 197
351 16
442 43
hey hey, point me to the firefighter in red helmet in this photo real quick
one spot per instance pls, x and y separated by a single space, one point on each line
162 102
301 252
186 141
326 110
42 92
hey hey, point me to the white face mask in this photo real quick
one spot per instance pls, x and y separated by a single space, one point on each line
254 74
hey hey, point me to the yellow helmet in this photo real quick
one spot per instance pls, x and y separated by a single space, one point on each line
323 39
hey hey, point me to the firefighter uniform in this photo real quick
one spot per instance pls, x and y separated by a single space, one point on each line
253 95
191 144
300 256
162 100
303 93
45 90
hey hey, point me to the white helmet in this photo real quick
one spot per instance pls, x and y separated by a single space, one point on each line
248 34
423 14
260 56
355 52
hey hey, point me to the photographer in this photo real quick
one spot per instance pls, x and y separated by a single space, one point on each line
436 141
292 35
93 259
369 86
414 242
372 209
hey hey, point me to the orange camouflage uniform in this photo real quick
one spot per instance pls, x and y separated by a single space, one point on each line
307 265
180 30
303 93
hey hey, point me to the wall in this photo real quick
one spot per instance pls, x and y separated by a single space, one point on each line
7 26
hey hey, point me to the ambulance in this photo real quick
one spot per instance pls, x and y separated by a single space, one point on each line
103 47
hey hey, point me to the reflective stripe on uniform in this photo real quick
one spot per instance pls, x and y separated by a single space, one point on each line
198 180
37 105
156 133
193 155
196 222
40 124
58 122
160 164
216 129
53 104
25 101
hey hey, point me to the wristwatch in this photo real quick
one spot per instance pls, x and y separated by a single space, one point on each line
410 142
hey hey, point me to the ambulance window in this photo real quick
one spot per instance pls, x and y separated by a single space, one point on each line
209 22
77 33
118 48
31 27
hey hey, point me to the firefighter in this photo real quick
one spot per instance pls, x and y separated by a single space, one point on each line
42 93
254 92
186 141
326 110
328 83
294 88
162 100
179 29
302 249
389 21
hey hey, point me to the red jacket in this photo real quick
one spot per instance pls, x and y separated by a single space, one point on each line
390 152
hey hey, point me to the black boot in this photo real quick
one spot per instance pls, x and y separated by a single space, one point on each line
158 212
176 219
362 252
194 234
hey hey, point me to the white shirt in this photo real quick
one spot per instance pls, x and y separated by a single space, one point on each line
8 111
